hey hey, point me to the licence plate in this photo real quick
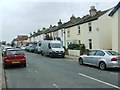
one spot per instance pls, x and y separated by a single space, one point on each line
59 54
14 62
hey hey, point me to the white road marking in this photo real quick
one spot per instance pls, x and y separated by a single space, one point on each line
36 71
56 86
99 80
113 73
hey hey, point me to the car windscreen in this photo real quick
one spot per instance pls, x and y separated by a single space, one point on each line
112 53
56 45
15 52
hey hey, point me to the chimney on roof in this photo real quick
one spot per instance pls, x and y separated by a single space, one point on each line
60 22
73 19
92 11
50 26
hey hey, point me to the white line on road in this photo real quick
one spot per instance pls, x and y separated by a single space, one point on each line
56 86
99 80
113 73
36 71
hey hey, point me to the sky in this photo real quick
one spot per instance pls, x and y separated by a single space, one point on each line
21 17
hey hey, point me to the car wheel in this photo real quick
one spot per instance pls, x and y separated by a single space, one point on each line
102 65
50 54
63 56
42 53
5 66
80 61
24 65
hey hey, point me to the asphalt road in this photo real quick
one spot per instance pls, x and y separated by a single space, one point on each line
45 72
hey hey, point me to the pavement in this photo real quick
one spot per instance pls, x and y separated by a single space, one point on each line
72 57
2 78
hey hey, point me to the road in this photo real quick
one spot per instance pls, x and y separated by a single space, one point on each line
45 72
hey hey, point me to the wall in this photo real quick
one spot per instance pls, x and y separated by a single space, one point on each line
119 30
86 34
74 52
105 31
115 31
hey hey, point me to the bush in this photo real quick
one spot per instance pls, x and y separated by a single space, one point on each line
80 47
74 46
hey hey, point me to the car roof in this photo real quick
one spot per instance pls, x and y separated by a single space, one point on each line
14 49
100 50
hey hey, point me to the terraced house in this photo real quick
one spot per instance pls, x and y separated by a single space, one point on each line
93 30
97 30
115 16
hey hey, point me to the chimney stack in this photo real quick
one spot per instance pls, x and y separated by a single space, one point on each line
60 22
73 19
92 11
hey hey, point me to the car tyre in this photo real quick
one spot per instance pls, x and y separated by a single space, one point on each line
50 54
80 61
42 53
5 66
24 65
102 65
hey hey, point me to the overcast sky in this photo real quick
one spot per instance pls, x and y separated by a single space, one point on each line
26 17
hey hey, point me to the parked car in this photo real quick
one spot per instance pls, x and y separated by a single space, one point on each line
52 48
32 47
101 58
27 48
38 47
14 57
23 47
5 48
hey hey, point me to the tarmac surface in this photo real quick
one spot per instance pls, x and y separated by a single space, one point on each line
2 78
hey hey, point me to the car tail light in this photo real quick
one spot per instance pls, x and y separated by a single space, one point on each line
114 59
5 58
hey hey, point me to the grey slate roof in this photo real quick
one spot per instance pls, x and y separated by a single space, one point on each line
114 10
85 19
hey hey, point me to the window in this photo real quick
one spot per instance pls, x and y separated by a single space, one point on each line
90 26
100 53
90 43
61 33
78 30
112 53
68 32
92 52
15 52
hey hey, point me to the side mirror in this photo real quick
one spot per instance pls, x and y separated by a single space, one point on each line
88 54
49 46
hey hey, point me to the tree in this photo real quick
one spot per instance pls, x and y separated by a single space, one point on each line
47 37
3 42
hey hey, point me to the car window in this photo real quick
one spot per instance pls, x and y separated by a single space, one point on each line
56 45
112 53
15 52
99 53
92 52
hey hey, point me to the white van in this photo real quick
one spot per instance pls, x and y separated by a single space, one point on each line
39 47
52 48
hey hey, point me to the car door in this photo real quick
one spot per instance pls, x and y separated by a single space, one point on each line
89 57
97 57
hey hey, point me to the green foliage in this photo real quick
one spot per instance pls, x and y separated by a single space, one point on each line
74 46
80 47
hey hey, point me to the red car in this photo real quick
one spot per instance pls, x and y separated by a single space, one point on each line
14 57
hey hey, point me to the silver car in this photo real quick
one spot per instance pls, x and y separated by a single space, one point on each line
101 58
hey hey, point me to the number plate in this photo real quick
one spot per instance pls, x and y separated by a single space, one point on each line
59 54
14 62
